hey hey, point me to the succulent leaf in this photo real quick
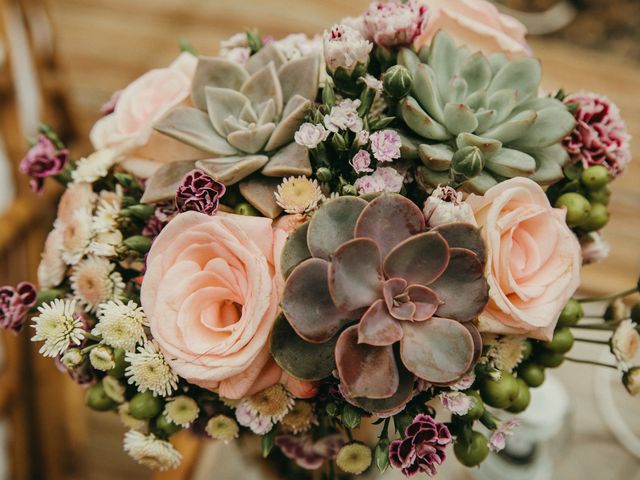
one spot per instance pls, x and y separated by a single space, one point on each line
549 163
266 55
377 327
459 118
425 91
295 249
224 103
293 117
514 128
230 170
215 72
393 404
437 157
551 126
408 260
511 163
262 86
290 160
259 192
252 140
420 122
477 340
165 181
425 300
299 77
464 235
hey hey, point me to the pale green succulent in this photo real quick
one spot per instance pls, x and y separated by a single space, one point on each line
243 120
479 119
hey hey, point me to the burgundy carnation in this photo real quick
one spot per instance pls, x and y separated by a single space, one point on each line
43 160
600 136
15 304
199 192
423 447
306 452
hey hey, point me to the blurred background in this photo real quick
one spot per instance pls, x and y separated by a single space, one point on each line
60 60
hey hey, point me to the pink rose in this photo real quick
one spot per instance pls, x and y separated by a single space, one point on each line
477 24
128 130
211 294
533 259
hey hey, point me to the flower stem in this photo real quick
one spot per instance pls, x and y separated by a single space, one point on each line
590 362
598 326
609 297
384 434
589 340
93 337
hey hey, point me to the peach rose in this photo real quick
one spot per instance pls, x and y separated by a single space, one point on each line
477 24
128 130
211 294
533 259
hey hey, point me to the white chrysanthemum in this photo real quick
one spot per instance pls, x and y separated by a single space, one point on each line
505 352
58 327
149 370
52 268
95 166
625 342
121 325
181 410
261 411
151 451
76 236
105 244
107 214
101 358
95 281
298 194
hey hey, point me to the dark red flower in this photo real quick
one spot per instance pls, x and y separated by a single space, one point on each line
43 160
199 192
423 447
308 453
15 304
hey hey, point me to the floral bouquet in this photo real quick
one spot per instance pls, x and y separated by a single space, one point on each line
301 236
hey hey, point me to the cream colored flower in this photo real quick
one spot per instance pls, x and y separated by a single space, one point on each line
298 194
121 325
95 166
52 268
149 370
625 342
95 281
151 451
222 428
76 236
58 326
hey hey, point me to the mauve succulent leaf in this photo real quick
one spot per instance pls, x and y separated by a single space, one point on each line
291 121
462 287
480 183
303 360
514 128
436 157
425 300
300 77
264 85
459 118
549 163
290 160
487 146
295 249
259 192
223 103
429 179
267 54
503 102
391 289
333 224
377 327
215 72
392 405
523 75
439 350
307 304
230 170
253 139
193 127
551 126
477 340
426 91
164 183
420 122
464 235
420 260
365 370
388 220
476 71
355 274
510 163
403 311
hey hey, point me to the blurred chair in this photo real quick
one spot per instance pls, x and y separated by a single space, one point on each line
46 432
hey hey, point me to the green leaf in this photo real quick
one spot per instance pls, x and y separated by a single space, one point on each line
185 46
381 455
351 417
401 421
381 123
268 442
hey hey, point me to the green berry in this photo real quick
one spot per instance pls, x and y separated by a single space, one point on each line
243 208
598 217
473 453
144 406
596 177
601 196
577 206
527 349
499 393
477 410
549 359
523 398
121 364
97 399
532 374
571 313
166 426
562 340
397 82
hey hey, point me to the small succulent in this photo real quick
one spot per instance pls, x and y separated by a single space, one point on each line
373 293
244 121
479 120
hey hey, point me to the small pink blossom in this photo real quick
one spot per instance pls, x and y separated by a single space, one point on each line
308 453
372 82
465 382
361 161
362 138
239 55
600 136
385 145
394 23
344 116
345 47
250 419
310 135
457 402
594 248
384 179
445 205
498 439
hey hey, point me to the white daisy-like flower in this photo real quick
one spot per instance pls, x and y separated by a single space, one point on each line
505 352
95 281
58 326
457 402
261 411
76 236
181 410
95 166
52 268
107 212
151 451
298 194
149 370
625 342
121 325
105 244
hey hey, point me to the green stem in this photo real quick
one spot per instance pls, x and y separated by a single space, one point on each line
384 434
590 362
609 297
589 340
599 326
93 337
86 350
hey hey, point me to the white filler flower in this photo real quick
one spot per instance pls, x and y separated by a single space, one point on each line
58 327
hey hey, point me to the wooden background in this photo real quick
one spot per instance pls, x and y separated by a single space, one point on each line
105 44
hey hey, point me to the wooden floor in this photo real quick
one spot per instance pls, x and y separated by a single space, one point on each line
104 44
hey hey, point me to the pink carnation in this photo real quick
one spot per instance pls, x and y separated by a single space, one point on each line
384 179
361 161
385 145
600 136
394 23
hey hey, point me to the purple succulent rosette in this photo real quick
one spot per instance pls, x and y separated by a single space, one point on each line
375 294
